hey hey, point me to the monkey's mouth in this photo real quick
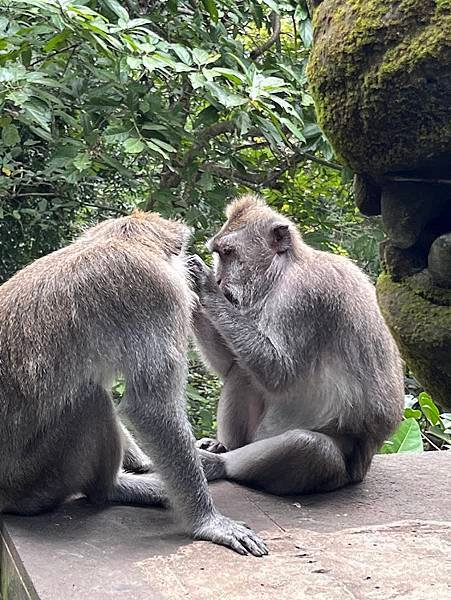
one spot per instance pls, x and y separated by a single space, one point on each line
230 297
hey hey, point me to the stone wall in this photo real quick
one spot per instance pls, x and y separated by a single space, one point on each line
380 73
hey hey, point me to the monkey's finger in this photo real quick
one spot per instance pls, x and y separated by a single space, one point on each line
195 264
252 547
204 443
217 448
234 544
254 542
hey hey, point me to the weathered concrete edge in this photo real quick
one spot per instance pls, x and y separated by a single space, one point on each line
15 583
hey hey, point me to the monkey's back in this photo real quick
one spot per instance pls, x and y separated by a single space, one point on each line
349 370
70 318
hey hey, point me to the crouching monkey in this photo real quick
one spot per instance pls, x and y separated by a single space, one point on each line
114 301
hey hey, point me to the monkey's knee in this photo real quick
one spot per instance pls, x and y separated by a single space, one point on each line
303 462
321 463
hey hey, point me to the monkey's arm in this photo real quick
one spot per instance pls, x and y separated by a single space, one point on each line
211 344
267 357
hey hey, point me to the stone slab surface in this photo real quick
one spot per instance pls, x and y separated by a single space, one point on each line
389 537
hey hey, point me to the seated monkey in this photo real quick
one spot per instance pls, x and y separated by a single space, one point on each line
312 379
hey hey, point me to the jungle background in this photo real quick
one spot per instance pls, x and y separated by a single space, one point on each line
174 106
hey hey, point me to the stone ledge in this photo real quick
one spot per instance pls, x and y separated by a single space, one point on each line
389 537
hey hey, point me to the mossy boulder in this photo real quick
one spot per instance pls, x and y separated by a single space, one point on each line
419 317
380 74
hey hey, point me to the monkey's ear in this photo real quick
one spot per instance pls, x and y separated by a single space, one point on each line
280 237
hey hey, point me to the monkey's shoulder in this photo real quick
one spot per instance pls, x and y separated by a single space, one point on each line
325 275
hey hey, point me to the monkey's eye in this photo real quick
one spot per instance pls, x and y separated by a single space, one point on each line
227 251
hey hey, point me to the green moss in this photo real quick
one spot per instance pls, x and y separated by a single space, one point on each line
380 73
422 329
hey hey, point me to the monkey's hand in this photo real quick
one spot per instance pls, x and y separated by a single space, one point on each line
211 445
201 275
220 530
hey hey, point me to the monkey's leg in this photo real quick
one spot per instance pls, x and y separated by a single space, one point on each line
81 454
154 403
110 484
145 489
134 460
295 462
239 409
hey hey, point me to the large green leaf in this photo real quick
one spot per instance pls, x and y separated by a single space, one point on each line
226 98
407 438
38 113
429 408
116 8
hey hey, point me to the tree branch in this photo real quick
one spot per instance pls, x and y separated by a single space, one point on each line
117 211
205 136
208 134
56 194
276 27
265 179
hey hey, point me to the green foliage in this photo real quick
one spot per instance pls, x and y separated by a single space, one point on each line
407 438
423 428
102 109
202 396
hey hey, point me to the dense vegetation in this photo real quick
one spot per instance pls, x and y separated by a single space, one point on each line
172 106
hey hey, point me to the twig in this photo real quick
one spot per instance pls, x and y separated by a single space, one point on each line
423 435
251 146
60 51
276 27
118 211
265 179
71 204
321 161
69 58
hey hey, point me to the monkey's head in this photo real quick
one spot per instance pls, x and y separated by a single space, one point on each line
251 249
172 236
167 236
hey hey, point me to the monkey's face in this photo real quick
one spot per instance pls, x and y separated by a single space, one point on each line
241 261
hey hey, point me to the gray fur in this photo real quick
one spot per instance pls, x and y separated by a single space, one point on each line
312 378
116 301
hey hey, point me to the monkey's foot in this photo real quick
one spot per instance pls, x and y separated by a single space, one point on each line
221 530
134 463
213 465
211 445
